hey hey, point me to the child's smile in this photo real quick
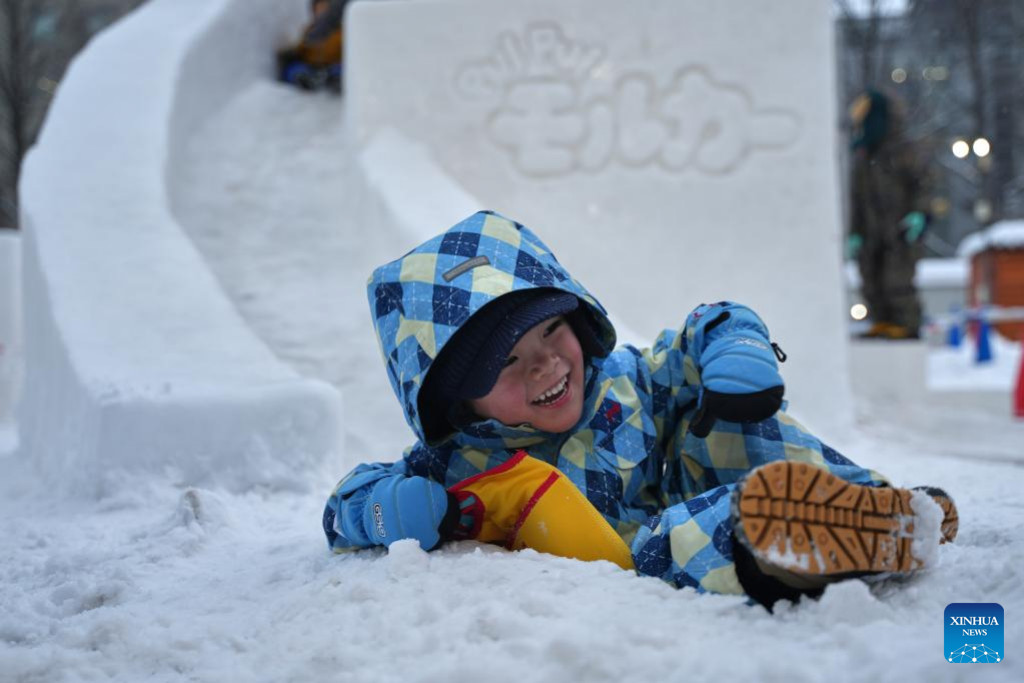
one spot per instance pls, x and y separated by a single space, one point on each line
555 394
542 381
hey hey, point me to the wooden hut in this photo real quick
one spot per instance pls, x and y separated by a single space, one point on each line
997 271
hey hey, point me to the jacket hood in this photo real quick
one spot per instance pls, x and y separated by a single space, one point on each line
421 299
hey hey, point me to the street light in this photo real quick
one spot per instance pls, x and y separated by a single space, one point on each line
961 149
981 147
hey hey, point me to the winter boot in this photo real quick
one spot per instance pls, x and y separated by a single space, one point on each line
890 331
803 519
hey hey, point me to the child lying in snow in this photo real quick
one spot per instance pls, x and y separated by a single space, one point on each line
493 349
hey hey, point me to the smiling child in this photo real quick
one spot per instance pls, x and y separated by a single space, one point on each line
683 448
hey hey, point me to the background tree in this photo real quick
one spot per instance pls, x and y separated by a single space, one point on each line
38 38
958 67
981 40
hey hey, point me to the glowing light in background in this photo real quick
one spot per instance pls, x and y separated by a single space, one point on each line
899 75
858 311
982 147
961 149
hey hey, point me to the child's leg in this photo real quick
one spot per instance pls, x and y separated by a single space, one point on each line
692 542
695 465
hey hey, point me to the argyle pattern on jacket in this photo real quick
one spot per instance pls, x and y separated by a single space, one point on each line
663 490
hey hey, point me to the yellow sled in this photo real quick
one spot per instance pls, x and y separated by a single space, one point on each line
527 503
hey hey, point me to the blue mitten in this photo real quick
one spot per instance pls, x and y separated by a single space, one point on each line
740 380
406 507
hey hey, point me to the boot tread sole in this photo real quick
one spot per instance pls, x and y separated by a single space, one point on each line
803 518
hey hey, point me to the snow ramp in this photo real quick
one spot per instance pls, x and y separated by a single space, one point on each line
135 360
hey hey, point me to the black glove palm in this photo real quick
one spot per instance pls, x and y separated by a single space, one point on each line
740 380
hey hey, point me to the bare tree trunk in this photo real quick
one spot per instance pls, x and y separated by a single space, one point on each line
969 11
27 59
864 38
1006 82
970 15
12 99
869 63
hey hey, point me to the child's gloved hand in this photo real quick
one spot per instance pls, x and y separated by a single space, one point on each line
740 381
854 242
407 507
914 225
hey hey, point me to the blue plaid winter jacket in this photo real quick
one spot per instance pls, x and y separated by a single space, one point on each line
662 489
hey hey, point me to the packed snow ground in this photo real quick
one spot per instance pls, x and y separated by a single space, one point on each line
952 368
159 582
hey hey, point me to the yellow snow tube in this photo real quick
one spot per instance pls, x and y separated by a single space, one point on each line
527 503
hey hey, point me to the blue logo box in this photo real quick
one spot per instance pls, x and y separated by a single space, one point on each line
974 633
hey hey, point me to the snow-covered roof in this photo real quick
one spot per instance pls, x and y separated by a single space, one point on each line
930 273
1001 235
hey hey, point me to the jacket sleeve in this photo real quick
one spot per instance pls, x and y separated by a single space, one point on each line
344 519
674 360
343 515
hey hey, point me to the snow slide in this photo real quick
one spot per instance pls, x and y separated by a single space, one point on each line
136 362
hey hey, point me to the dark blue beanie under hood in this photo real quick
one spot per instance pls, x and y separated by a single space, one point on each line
469 364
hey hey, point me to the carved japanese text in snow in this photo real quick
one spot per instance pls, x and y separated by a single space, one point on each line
556 106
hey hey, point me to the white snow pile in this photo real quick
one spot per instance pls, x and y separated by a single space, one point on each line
129 338
928 528
170 575
211 586
957 368
10 330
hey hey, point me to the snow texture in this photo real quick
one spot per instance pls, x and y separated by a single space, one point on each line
10 325
175 575
190 391
927 528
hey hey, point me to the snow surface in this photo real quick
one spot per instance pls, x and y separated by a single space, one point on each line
157 580
951 369
10 325
191 391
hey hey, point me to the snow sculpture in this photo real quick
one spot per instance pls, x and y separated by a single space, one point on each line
677 153
542 119
10 319
136 363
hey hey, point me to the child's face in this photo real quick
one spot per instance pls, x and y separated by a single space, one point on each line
542 381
